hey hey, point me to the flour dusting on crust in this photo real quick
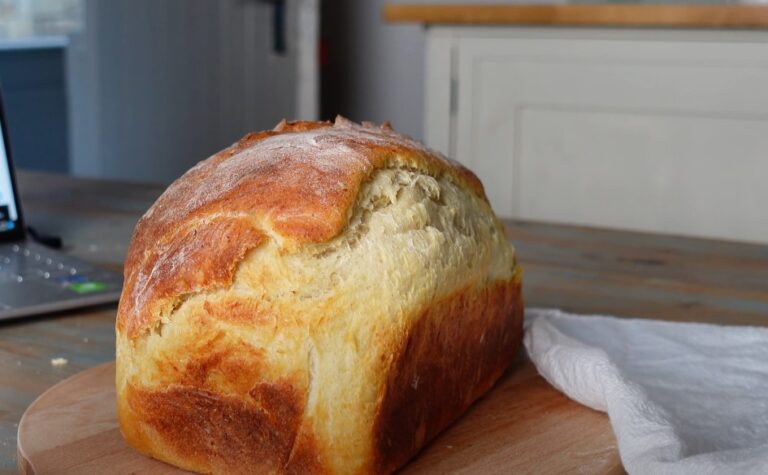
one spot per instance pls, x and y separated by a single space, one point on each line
295 184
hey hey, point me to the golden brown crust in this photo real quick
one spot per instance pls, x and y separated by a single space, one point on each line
294 359
453 354
184 260
211 410
209 432
240 311
296 183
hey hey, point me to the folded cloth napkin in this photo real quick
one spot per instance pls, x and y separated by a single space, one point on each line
681 397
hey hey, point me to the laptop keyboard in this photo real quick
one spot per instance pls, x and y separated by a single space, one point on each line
19 263
35 279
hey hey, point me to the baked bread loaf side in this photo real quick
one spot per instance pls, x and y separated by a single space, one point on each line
319 298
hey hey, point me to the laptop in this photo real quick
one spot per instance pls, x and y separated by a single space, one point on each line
35 279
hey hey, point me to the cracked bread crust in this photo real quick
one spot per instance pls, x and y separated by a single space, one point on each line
296 183
320 298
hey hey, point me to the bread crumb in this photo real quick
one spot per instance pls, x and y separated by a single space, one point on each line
59 361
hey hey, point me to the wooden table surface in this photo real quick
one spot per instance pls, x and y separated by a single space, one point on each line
574 268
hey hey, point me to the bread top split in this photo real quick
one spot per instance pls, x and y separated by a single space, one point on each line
297 186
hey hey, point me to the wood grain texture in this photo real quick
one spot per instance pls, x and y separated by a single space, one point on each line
578 269
522 423
666 16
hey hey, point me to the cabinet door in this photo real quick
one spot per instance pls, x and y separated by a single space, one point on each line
646 130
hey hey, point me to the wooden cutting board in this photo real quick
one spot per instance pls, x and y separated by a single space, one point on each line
522 425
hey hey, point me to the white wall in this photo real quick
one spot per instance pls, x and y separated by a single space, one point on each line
156 86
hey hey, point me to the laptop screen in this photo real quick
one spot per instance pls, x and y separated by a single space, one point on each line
9 214
11 222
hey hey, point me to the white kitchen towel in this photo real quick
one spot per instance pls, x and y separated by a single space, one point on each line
682 398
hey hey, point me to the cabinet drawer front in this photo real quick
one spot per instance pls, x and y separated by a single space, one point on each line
655 135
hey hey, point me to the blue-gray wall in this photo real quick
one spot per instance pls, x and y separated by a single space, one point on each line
36 107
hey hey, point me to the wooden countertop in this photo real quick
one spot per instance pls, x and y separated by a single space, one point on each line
578 269
604 15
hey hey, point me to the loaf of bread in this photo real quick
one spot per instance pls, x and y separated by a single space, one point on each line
318 298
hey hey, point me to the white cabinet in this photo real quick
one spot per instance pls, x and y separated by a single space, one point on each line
653 130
